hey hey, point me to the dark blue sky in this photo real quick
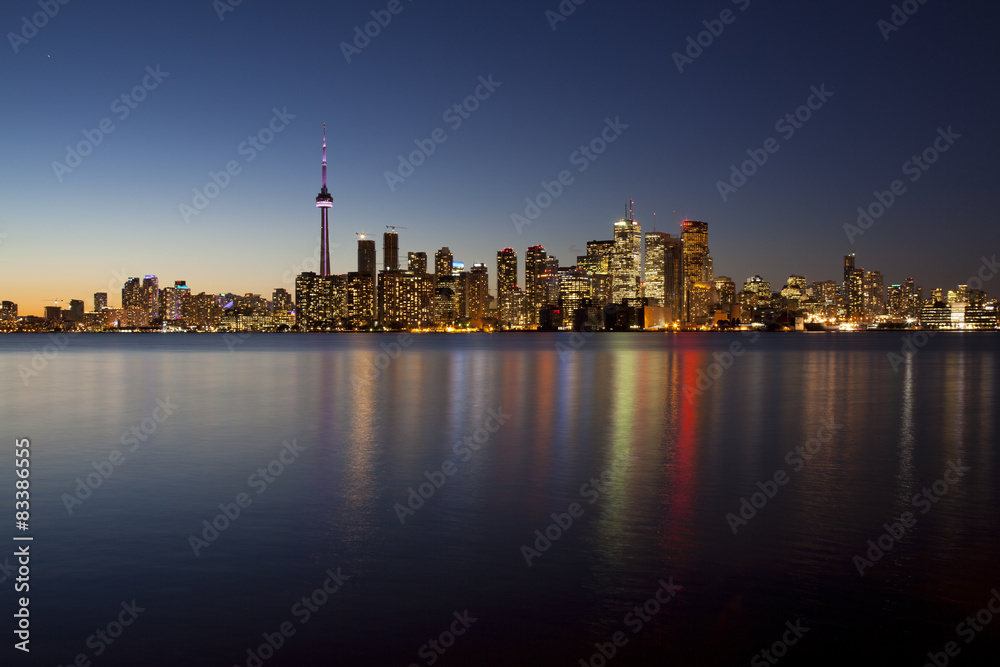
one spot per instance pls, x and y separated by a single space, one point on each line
118 212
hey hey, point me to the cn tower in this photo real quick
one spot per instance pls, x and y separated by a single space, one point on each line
324 200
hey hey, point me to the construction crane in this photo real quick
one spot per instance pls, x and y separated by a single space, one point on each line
361 235
394 228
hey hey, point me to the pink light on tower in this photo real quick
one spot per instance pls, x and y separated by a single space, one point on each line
324 200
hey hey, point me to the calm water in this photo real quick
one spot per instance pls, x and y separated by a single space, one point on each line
683 456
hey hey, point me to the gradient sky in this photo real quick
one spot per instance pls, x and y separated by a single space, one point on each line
117 213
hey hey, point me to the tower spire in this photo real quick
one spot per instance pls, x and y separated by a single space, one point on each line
324 157
323 202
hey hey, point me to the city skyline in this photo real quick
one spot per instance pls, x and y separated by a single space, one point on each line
180 116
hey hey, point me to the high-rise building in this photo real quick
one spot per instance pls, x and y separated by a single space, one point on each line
506 284
535 289
359 300
136 310
316 302
390 250
663 271
405 300
172 300
625 262
151 296
100 301
895 301
443 260
367 264
8 310
416 262
694 235
281 301
324 201
726 289
479 294
873 294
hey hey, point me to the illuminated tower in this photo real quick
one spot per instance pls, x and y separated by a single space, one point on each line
694 235
324 200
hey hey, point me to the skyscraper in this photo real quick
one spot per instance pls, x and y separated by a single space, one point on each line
390 250
506 284
324 201
443 260
416 262
535 289
366 257
663 271
100 301
695 251
151 297
479 294
625 262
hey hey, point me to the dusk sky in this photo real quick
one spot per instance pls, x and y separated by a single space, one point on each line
118 212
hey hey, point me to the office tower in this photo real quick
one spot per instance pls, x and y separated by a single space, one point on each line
700 303
873 294
366 257
574 292
694 235
506 284
390 250
479 295
100 301
416 262
625 262
135 309
708 270
761 289
895 301
8 309
443 260
535 289
324 201
151 296
663 271
726 289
